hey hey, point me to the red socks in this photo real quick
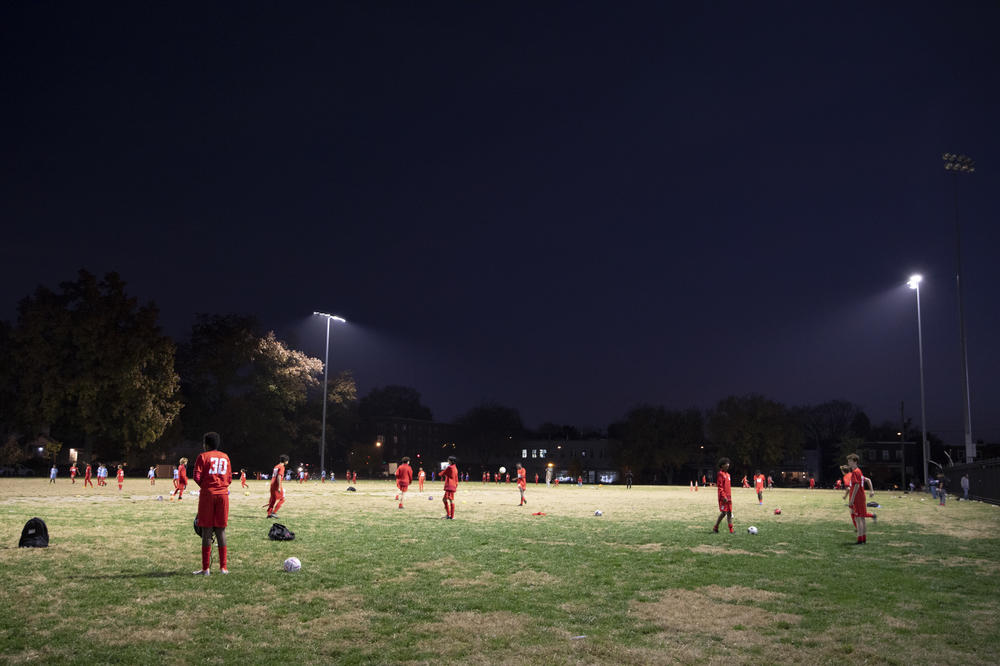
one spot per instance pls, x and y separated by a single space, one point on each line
222 557
206 557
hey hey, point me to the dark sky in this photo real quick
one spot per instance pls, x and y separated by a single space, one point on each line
568 208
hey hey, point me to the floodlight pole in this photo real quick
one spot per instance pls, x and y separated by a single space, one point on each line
962 164
326 363
914 283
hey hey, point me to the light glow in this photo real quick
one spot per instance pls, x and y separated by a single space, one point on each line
330 316
915 281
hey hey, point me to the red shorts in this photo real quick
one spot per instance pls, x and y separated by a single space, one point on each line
725 505
402 485
213 510
522 485
449 495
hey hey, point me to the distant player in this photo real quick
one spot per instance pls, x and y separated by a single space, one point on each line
86 477
859 508
745 482
450 477
355 478
52 474
536 478
243 478
152 476
758 485
770 482
322 476
182 478
421 477
725 495
121 477
213 473
404 475
522 482
628 478
72 473
277 487
812 483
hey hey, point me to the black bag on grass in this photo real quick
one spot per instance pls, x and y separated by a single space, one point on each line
34 535
279 532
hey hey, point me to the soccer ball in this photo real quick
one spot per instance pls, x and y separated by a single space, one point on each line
777 511
598 513
430 497
247 493
752 530
292 564
503 470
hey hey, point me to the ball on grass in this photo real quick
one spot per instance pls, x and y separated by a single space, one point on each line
292 564
777 511
598 513
752 530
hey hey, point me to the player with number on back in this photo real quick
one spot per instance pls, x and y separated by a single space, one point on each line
277 487
213 473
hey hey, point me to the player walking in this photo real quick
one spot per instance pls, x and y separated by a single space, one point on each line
72 473
758 485
86 477
182 478
859 509
725 495
213 473
404 474
450 477
522 482
243 478
277 487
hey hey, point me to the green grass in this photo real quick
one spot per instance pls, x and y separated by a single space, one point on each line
644 583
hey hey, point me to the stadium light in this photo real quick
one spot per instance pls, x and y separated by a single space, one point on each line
326 363
914 283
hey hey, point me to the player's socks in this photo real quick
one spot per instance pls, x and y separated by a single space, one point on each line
206 557
223 561
730 528
400 505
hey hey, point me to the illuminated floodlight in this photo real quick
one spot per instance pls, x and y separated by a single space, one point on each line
914 281
330 316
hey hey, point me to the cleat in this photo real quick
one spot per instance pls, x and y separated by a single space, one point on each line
715 530
201 572
224 571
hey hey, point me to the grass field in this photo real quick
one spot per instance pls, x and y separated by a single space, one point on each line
645 583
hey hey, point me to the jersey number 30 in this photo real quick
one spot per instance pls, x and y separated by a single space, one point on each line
218 466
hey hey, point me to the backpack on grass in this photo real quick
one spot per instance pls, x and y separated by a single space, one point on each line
34 535
279 532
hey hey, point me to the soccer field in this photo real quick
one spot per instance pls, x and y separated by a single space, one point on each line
646 582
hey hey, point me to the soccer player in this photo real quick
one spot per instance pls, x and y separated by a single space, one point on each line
182 478
213 473
243 477
450 477
72 473
421 477
758 484
522 482
725 495
152 476
86 477
859 509
404 475
277 487
52 474
746 483
121 477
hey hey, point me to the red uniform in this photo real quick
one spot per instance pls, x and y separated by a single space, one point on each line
86 477
72 473
277 490
758 484
243 478
725 491
522 478
121 478
420 478
858 499
404 475
213 473
182 480
450 477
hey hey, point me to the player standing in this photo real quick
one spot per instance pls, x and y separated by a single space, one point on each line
725 495
404 475
277 487
152 476
72 473
859 510
86 477
758 485
182 478
213 473
522 482
421 477
52 474
450 477
121 477
243 478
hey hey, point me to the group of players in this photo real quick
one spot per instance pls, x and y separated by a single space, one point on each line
88 475
854 481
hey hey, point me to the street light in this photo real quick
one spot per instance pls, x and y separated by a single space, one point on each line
914 283
957 164
326 362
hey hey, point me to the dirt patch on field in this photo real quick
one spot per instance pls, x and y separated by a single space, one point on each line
529 578
484 579
708 611
898 623
706 549
475 631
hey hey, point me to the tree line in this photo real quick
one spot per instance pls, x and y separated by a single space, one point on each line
88 366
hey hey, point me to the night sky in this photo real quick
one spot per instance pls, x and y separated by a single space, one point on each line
567 208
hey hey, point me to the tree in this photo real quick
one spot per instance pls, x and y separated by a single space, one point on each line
393 402
489 429
657 441
827 427
753 431
93 364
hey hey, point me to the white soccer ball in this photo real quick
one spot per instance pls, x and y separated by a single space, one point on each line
752 530
503 470
292 564
598 513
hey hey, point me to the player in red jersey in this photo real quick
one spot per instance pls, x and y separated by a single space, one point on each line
421 477
121 477
450 477
243 478
86 477
859 508
522 482
72 473
182 478
277 487
536 478
725 495
758 485
746 483
213 473
404 475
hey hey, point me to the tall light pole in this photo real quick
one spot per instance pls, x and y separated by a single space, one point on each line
326 363
957 164
914 283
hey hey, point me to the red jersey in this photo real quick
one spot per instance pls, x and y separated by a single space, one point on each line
86 473
758 482
243 476
121 475
404 474
522 478
213 472
422 475
182 475
858 494
72 471
450 477
722 481
847 480
277 474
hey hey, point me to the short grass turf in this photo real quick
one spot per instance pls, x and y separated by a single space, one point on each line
646 582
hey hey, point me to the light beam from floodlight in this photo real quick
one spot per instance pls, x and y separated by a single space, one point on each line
326 363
